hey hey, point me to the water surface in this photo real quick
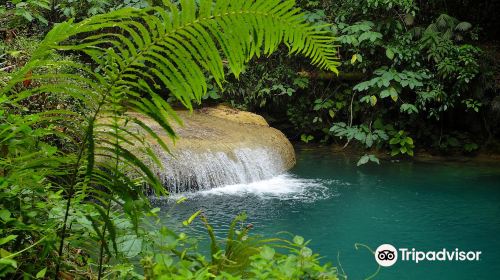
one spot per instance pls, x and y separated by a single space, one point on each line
326 198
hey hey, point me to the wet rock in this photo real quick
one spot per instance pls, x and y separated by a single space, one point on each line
219 146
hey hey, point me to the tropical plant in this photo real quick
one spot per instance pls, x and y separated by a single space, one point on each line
83 9
415 69
401 144
17 12
133 57
243 256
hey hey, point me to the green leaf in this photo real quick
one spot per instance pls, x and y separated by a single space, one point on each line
409 108
306 138
373 100
373 158
370 35
359 57
394 96
369 140
301 82
393 93
360 136
129 245
394 141
267 252
41 273
5 215
385 93
362 86
27 15
9 262
214 94
7 239
41 19
365 99
4 253
306 252
181 200
354 58
191 219
299 240
389 53
363 160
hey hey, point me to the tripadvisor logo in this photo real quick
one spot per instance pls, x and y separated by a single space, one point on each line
387 255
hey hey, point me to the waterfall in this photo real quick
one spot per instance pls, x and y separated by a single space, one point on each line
192 171
217 147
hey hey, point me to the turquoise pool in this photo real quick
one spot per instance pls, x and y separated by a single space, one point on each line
328 199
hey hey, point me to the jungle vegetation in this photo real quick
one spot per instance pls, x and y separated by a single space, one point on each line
74 171
416 76
390 76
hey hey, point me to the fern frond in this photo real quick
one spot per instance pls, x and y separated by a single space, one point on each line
135 55
175 48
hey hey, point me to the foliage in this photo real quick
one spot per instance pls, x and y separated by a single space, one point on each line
418 70
401 144
306 138
82 9
421 89
367 158
76 174
243 257
17 13
362 133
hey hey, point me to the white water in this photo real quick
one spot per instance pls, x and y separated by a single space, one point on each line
281 187
243 172
190 171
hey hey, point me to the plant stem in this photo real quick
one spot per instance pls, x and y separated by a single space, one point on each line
350 120
103 243
71 191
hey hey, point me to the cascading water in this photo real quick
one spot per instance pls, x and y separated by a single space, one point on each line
218 147
193 171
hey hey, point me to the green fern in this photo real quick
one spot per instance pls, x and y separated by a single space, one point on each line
135 55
